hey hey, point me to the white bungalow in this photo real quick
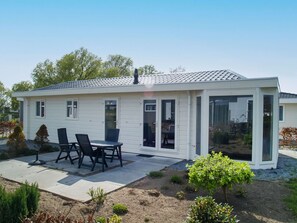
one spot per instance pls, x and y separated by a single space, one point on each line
180 115
287 110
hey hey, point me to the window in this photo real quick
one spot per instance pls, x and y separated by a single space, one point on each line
40 108
72 109
230 126
281 113
267 128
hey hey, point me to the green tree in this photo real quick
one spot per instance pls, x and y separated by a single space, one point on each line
117 65
78 65
147 69
44 74
178 69
4 101
21 86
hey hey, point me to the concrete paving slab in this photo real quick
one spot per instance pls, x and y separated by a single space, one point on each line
74 186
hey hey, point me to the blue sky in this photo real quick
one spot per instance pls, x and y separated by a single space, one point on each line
256 38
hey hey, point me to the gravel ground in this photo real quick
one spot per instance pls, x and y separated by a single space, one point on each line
286 167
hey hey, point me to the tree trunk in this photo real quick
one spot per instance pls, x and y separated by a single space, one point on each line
224 188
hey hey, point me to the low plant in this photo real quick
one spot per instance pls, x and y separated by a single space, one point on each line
16 141
146 219
180 195
17 205
156 174
115 219
291 200
215 170
119 209
98 195
206 210
176 179
100 220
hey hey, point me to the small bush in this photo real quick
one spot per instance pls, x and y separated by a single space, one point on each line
41 137
98 195
16 140
206 210
155 174
176 179
100 220
115 219
15 206
215 170
180 195
120 209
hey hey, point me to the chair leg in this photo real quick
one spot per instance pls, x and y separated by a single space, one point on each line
59 156
80 161
94 163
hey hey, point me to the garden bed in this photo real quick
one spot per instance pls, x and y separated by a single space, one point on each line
154 200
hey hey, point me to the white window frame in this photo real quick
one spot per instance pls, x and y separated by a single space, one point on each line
41 108
72 114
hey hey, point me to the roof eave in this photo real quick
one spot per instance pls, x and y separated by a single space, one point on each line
227 84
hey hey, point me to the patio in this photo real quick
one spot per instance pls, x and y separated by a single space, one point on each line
68 181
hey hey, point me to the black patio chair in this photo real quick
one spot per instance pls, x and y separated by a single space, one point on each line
86 149
66 147
112 136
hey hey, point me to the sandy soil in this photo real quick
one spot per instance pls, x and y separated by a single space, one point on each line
154 200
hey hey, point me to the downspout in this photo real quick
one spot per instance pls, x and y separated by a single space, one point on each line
189 126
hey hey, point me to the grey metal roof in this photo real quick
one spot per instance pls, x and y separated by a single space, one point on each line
287 95
152 79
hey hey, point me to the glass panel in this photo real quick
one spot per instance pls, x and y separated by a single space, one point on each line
230 126
38 108
42 111
74 109
110 114
198 127
267 127
281 113
168 124
149 123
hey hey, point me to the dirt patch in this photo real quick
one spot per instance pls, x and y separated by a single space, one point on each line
154 200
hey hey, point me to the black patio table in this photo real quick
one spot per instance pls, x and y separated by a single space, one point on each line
108 145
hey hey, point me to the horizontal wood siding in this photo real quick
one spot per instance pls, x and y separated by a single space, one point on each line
91 119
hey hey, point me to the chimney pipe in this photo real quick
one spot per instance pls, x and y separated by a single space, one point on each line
135 76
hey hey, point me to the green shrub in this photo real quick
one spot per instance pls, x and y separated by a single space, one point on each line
16 140
33 196
15 206
155 174
215 170
100 220
120 209
41 137
180 195
98 195
206 210
176 179
115 219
